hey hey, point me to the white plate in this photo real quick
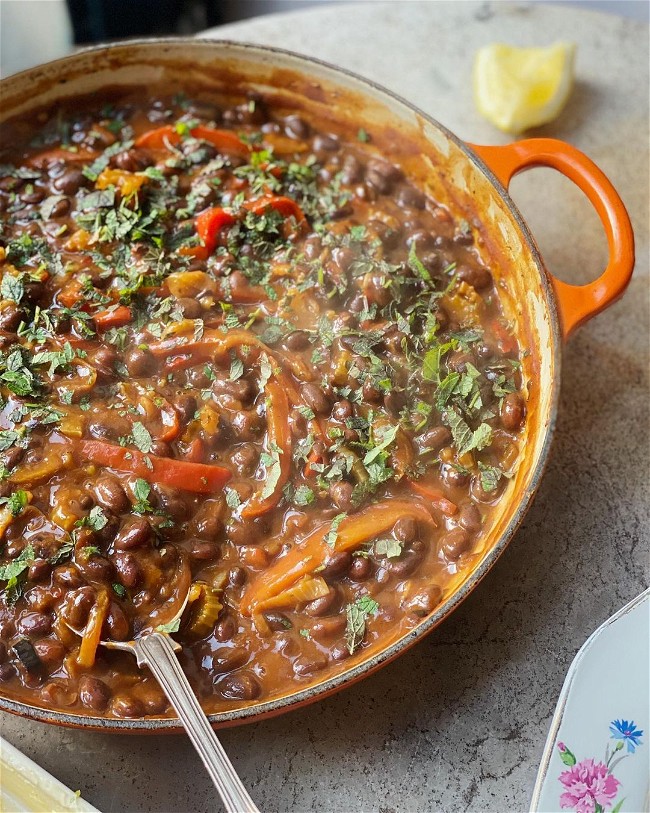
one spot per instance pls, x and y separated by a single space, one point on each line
596 756
26 788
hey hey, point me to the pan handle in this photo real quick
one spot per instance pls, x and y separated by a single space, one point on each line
576 303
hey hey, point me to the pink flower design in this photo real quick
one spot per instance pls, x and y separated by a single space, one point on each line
588 784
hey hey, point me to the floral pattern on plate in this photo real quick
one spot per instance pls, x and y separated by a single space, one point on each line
596 757
590 786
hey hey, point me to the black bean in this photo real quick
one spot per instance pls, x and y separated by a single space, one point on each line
110 494
405 564
12 457
227 658
51 653
306 665
225 629
296 340
236 576
240 533
140 362
476 276
93 692
339 652
129 572
342 410
326 143
109 425
68 576
361 569
70 182
370 392
39 570
133 160
454 476
124 705
244 459
116 627
336 565
33 195
10 316
327 628
343 257
201 551
341 494
186 406
171 502
208 521
312 247
459 359
34 624
395 401
191 308
409 197
96 568
469 518
435 438
454 543
278 621
323 605
513 411
405 530
480 495
134 533
241 389
247 424
315 398
296 127
382 175
242 686
421 238
352 169
424 601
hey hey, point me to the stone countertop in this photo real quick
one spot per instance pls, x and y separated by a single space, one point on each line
458 723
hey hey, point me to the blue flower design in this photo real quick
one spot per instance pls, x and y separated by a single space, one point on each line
626 731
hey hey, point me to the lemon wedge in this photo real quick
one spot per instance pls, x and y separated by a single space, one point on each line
519 88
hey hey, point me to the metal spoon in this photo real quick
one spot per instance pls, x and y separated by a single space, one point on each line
157 650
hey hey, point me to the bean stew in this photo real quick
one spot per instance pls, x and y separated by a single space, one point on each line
246 362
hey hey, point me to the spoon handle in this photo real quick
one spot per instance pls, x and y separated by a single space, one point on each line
155 651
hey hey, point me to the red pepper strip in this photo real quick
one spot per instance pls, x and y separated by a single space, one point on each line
209 223
215 342
242 293
161 137
287 207
223 140
278 439
118 317
198 478
305 556
436 497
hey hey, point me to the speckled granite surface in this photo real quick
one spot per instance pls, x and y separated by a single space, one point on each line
459 722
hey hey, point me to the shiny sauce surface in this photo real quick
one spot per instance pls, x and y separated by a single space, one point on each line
256 391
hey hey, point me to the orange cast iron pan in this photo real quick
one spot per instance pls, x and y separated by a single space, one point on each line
471 180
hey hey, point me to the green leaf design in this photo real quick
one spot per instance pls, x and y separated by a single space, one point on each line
619 806
567 757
